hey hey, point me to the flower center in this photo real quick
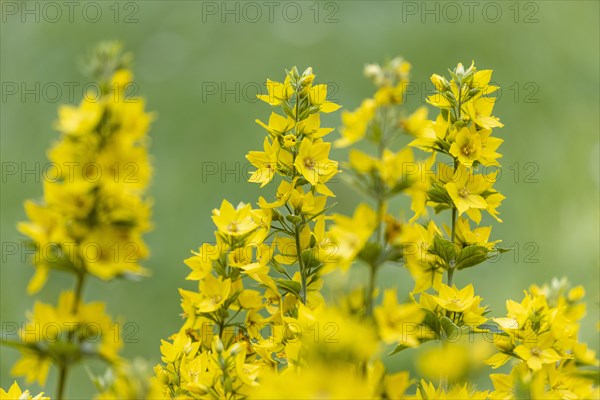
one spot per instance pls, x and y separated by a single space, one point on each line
464 193
454 301
232 227
468 150
309 163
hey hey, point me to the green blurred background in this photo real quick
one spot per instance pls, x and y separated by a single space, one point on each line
199 70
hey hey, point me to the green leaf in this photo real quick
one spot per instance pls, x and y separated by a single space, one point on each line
231 299
278 267
289 285
398 349
443 145
492 327
444 249
439 194
471 256
441 207
287 109
432 321
449 329
294 219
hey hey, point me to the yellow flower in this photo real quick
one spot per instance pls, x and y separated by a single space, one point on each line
438 100
355 123
318 95
45 228
182 346
394 166
318 381
234 222
33 365
311 127
427 391
566 383
306 203
480 110
265 162
328 334
466 188
453 299
284 191
422 265
213 292
493 202
351 234
361 161
278 92
463 302
538 351
388 95
467 146
313 163
77 121
15 393
278 125
418 125
399 323
478 236
201 262
451 361
489 145
481 81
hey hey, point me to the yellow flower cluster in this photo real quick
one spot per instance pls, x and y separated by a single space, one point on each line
258 325
260 281
541 335
65 334
438 311
94 212
89 224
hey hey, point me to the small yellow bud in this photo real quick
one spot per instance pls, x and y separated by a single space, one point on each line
289 140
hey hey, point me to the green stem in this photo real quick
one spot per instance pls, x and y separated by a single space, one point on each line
452 237
78 291
298 228
371 289
304 288
380 238
455 164
381 194
62 379
63 369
